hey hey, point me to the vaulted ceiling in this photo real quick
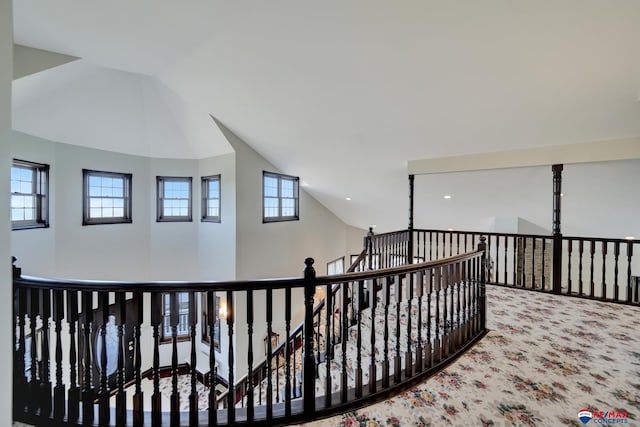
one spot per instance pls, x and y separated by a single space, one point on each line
342 94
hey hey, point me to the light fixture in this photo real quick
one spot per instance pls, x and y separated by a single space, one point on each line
630 238
223 312
447 196
347 198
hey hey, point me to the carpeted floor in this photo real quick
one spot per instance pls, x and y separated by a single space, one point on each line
545 359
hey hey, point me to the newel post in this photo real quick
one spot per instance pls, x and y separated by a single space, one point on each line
17 271
19 381
482 291
410 243
368 246
309 363
557 234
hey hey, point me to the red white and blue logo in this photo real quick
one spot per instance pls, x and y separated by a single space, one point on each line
585 415
614 416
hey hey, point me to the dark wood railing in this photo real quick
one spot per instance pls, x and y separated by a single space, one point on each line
587 267
260 374
82 347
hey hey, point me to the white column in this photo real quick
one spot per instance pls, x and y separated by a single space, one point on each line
6 76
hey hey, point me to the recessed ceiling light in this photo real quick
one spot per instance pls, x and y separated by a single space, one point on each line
561 194
347 198
630 238
304 184
449 229
447 196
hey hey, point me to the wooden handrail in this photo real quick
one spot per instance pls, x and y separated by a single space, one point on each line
159 286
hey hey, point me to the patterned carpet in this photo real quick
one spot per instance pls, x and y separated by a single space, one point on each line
545 359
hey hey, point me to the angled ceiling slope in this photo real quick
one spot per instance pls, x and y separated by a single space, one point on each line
83 104
28 60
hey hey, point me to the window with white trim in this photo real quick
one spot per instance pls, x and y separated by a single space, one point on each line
29 195
280 197
106 197
173 199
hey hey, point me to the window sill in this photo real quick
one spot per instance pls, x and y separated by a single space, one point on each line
169 340
28 227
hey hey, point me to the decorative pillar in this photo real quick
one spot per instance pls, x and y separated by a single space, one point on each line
482 297
410 248
309 362
368 244
557 191
557 234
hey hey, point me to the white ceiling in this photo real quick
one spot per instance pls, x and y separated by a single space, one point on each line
342 94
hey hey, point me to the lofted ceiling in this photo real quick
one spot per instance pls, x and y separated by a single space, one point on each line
342 94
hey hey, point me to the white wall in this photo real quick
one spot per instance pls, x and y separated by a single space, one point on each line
278 249
599 199
6 295
67 248
318 233
173 246
142 250
35 249
217 241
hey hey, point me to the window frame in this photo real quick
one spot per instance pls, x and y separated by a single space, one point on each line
204 324
165 328
296 190
40 174
160 183
333 265
205 185
127 217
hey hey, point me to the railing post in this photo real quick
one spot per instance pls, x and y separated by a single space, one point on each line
557 234
410 242
482 302
368 245
309 364
19 381
17 271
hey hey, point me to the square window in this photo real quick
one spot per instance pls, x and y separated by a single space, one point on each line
107 197
29 195
280 201
173 199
